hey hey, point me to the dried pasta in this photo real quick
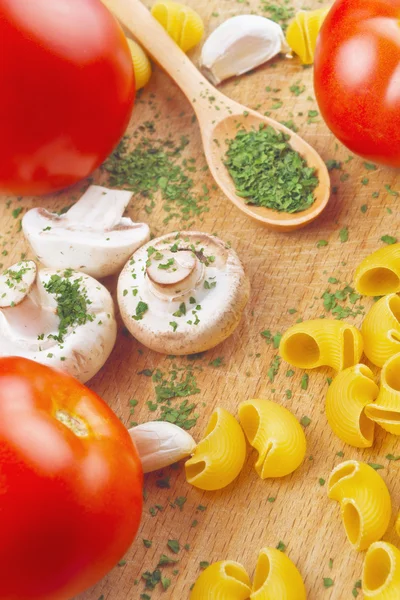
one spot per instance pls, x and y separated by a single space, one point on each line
181 22
303 31
276 577
379 273
381 572
348 395
224 580
322 342
141 64
386 409
276 435
381 330
219 457
364 501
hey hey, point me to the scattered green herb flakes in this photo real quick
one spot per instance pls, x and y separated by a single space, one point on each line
370 166
217 362
343 302
344 234
166 560
16 212
376 466
297 89
72 302
164 482
289 394
289 373
201 508
180 502
332 164
391 192
328 582
356 588
304 381
392 457
141 309
281 546
204 564
270 338
340 453
389 239
322 243
268 172
271 499
155 167
274 368
305 421
174 546
330 563
281 13
364 208
147 543
321 481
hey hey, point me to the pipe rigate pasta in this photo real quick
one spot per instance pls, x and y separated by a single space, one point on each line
348 395
386 409
219 457
224 580
381 572
364 502
276 435
381 330
322 342
181 22
276 577
379 273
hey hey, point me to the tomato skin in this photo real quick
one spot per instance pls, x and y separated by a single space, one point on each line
67 91
69 506
356 77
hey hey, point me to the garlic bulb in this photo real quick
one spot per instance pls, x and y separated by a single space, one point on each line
239 45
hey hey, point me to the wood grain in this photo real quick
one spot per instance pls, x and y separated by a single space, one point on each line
287 271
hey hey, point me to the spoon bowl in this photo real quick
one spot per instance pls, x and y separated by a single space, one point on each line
219 117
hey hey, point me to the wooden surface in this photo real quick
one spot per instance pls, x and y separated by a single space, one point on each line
287 271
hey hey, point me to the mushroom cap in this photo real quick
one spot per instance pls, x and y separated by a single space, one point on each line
27 327
91 237
183 293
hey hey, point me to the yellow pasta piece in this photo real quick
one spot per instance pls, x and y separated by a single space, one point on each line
364 502
381 572
348 395
181 22
141 64
386 409
224 580
379 273
381 330
276 435
276 577
219 457
322 342
303 31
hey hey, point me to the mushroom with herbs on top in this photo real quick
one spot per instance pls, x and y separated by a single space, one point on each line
92 236
183 293
63 318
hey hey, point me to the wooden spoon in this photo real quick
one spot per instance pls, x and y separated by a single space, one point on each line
219 117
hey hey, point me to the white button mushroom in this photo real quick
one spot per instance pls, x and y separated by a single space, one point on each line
92 236
64 319
240 44
183 293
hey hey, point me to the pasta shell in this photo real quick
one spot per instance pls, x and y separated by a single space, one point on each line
181 22
364 501
379 273
276 435
322 342
219 457
224 580
141 64
381 572
386 409
303 31
381 330
348 395
276 577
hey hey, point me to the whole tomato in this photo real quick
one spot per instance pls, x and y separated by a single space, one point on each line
357 76
67 91
70 484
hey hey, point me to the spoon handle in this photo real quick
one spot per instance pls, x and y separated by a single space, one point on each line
139 22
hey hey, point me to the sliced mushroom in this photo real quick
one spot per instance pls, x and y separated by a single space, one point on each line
64 319
183 293
92 236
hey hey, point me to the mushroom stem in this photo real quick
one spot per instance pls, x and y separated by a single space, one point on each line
99 208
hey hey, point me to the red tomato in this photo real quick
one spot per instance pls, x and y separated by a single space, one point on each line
70 501
357 76
67 91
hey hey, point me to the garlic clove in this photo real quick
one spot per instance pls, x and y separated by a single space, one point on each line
160 444
239 45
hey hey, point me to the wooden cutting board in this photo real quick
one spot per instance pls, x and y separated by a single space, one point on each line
288 273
